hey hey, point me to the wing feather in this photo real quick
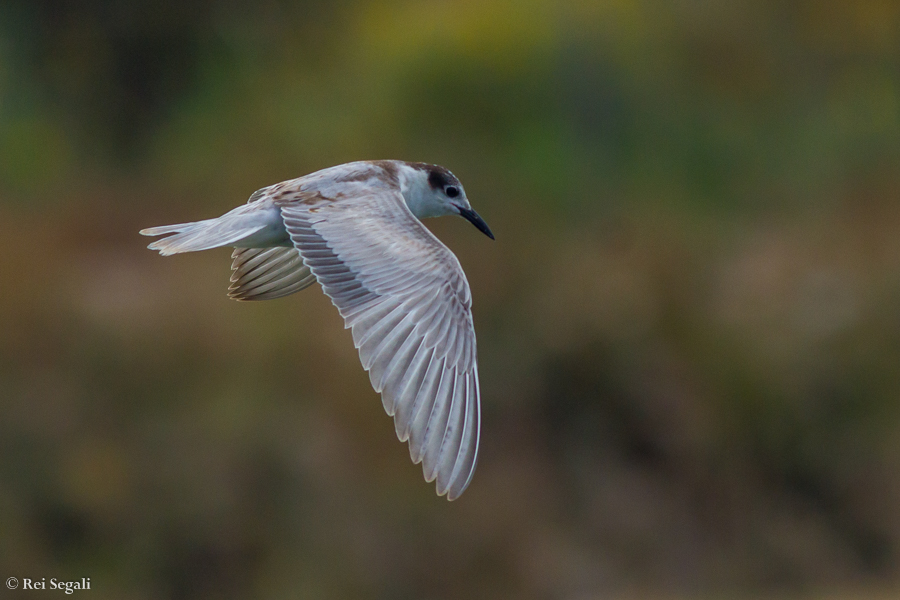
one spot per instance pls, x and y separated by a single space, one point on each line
433 421
424 403
395 370
267 273
450 444
387 351
441 423
406 400
406 300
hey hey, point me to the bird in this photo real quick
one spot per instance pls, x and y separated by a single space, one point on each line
355 229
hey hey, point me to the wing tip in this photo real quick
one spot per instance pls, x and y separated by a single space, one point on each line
453 492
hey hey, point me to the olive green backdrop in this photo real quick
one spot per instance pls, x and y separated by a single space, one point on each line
689 324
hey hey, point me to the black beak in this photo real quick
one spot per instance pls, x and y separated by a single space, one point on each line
472 217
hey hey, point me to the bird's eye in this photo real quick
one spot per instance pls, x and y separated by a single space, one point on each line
452 191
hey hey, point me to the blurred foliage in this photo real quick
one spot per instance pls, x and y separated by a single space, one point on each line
688 327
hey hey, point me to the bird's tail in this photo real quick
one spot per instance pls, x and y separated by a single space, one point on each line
227 230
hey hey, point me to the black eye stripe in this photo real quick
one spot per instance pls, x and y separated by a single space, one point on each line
452 191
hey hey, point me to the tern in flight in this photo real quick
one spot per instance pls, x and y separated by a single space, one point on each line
355 229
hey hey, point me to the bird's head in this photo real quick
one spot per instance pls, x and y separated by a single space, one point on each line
433 191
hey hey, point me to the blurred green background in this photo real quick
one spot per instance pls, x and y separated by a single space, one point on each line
689 325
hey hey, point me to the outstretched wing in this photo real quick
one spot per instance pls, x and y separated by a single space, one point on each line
406 299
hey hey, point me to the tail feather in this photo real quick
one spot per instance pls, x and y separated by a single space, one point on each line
202 235
164 229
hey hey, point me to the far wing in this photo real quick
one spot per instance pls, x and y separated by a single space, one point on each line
267 273
406 299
